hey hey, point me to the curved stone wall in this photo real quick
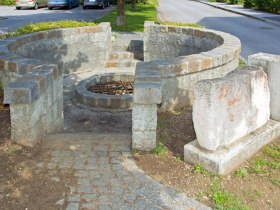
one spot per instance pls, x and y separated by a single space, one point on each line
31 70
98 100
71 49
217 53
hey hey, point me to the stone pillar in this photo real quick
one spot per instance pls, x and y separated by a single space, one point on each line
36 103
146 95
271 65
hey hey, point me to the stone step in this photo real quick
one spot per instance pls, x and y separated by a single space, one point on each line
121 55
122 63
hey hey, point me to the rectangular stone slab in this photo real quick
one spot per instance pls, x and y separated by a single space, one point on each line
224 161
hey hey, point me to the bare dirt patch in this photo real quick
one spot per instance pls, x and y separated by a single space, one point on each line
255 185
24 185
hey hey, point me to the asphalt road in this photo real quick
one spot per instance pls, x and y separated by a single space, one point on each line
255 36
10 18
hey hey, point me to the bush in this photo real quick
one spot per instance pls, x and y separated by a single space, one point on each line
248 3
268 5
7 2
233 1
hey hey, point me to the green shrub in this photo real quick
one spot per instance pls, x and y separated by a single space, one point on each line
7 2
268 5
248 3
233 1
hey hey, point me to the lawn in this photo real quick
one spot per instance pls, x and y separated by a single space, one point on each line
134 19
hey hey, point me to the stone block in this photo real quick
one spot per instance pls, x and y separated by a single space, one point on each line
144 117
147 93
21 92
271 65
225 160
143 140
144 123
229 108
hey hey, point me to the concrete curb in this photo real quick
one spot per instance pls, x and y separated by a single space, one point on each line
240 13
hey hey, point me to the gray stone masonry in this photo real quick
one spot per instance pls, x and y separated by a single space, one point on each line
71 49
231 107
106 176
271 65
147 94
106 101
36 104
231 120
184 56
225 160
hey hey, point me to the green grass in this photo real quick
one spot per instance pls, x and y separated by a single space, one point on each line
198 169
223 199
43 26
273 151
242 172
180 24
160 149
266 162
134 19
241 63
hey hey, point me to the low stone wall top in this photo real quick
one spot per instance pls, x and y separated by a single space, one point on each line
216 54
71 49
178 50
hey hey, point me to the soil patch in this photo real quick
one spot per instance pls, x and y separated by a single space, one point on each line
255 185
24 185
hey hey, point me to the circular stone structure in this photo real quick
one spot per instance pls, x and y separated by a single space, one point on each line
112 100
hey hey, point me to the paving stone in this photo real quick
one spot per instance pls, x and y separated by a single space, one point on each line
81 173
89 197
74 198
89 206
104 207
105 182
73 206
84 189
83 181
60 202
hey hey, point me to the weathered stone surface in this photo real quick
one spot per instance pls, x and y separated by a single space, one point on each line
229 108
21 92
107 184
271 65
225 160
184 56
144 122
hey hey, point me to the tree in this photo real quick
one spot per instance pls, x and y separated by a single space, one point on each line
120 13
133 4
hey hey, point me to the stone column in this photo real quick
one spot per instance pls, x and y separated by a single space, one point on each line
147 94
36 103
271 65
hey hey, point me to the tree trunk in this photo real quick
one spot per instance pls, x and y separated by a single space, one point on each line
121 15
133 4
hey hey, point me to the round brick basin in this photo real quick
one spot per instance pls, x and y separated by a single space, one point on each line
86 96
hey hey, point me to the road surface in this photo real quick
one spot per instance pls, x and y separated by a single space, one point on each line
10 18
256 36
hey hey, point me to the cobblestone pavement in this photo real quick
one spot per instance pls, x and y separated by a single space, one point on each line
105 175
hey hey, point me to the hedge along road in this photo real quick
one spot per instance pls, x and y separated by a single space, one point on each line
10 18
256 36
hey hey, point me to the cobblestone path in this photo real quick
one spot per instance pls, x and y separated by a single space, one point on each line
105 175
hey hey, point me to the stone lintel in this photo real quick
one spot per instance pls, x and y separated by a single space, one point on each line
21 92
147 93
225 160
